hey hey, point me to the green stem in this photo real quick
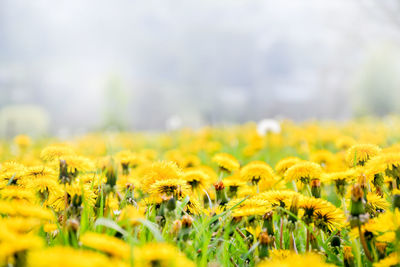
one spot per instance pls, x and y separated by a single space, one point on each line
293 242
344 205
281 234
364 244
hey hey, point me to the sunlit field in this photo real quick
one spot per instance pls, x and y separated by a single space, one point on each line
267 194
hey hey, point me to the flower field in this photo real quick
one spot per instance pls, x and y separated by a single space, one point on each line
310 194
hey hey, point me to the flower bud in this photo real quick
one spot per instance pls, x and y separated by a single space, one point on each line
266 241
381 248
176 226
268 222
220 193
348 257
294 209
111 174
316 188
171 204
219 186
335 242
187 221
73 224
63 176
357 201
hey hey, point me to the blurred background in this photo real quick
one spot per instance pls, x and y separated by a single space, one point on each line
72 66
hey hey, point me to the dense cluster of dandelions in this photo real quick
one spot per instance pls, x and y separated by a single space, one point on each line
316 194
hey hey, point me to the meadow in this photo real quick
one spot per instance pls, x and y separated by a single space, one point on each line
317 193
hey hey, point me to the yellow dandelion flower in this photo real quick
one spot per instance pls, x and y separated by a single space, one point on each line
249 207
384 226
383 164
22 141
329 217
392 149
78 193
196 178
212 175
162 170
128 160
67 256
78 164
191 161
281 198
148 154
311 205
39 172
246 191
108 244
11 172
132 214
193 206
226 162
56 152
18 193
19 243
85 190
257 171
376 203
169 187
113 203
24 209
304 172
340 179
254 231
284 164
346 176
280 254
215 210
20 225
391 260
325 158
91 178
248 203
50 227
233 184
166 255
299 260
388 237
150 200
359 154
251 211
275 183
344 142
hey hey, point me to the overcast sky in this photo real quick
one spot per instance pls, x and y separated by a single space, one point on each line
207 60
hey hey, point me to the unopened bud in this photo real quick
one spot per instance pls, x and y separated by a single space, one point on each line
294 209
111 174
335 242
266 241
73 224
357 201
176 226
187 221
219 186
381 248
268 222
348 257
171 204
316 188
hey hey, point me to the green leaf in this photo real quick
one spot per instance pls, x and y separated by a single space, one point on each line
153 229
110 224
